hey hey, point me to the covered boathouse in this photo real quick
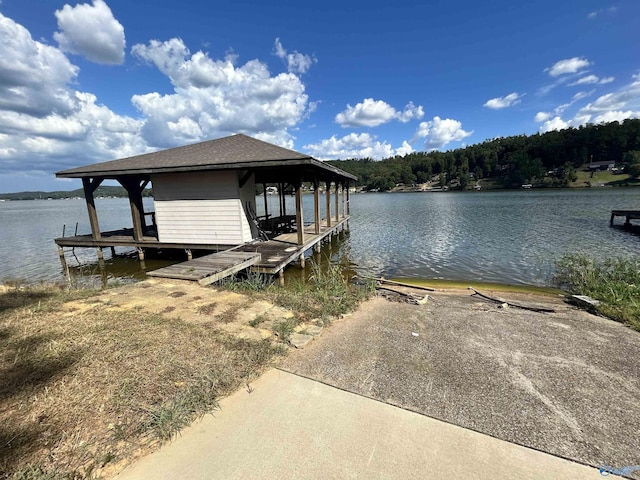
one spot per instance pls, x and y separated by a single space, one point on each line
204 198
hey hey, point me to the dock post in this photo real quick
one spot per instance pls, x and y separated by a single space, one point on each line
302 261
613 215
281 277
189 254
113 251
143 265
63 261
100 256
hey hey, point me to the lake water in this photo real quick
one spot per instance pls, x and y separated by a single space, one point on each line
502 236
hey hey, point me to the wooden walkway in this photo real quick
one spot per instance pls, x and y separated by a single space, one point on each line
210 268
269 257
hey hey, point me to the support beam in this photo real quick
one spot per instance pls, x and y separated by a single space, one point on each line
281 277
344 202
89 187
266 207
245 178
337 204
143 265
299 215
328 197
348 200
134 190
316 206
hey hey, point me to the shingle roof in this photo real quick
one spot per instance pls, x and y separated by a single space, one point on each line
233 152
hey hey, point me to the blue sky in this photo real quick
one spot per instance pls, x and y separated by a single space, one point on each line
88 82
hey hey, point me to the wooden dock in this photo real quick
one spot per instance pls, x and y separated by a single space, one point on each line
210 268
271 256
627 214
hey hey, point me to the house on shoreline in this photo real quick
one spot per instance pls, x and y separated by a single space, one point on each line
205 199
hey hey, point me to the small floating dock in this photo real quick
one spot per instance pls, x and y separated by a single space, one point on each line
627 214
210 268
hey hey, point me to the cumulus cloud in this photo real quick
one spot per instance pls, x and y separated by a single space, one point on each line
34 76
296 61
438 133
91 31
355 145
46 124
556 123
214 98
372 113
503 102
569 65
542 116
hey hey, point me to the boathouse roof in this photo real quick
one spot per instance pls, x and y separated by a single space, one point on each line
236 152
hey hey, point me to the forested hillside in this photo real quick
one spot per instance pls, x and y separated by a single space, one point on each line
548 159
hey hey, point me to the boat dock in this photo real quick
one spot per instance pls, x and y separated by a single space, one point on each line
627 214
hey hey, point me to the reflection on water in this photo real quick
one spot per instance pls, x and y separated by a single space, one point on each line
508 237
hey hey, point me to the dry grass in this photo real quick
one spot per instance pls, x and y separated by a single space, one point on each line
82 389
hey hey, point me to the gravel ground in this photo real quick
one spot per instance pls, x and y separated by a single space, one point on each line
566 383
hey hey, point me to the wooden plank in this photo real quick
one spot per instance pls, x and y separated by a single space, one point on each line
229 271
209 266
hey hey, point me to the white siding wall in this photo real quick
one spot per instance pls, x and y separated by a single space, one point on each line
200 208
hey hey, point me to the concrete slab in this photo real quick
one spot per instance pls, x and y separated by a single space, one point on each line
291 427
567 383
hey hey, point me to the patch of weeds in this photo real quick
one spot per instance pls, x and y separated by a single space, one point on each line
615 282
177 294
165 421
230 314
247 282
207 309
258 320
326 295
33 472
283 330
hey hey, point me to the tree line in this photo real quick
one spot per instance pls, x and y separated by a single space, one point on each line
550 158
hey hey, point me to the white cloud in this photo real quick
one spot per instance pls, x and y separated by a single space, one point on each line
569 65
355 145
410 112
503 102
218 97
596 13
91 31
438 133
556 123
589 79
33 75
542 116
296 61
371 113
48 125
405 149
592 80
613 106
